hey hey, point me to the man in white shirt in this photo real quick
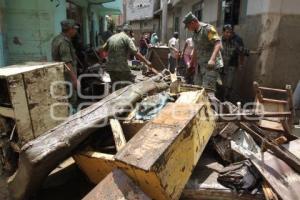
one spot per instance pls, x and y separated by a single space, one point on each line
174 52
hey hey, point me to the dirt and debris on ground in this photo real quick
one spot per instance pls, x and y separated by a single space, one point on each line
243 159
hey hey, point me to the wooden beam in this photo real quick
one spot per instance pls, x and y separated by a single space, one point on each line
7 112
281 153
119 137
116 185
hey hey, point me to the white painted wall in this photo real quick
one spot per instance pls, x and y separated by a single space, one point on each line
139 9
273 6
210 11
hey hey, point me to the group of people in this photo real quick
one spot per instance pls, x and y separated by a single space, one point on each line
146 42
119 46
210 60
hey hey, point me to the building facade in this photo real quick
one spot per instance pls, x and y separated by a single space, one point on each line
270 25
28 27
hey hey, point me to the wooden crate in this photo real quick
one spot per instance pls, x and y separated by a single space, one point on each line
26 97
161 156
159 57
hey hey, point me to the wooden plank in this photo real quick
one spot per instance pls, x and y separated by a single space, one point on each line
192 97
22 68
19 102
117 185
269 194
162 155
281 177
118 134
95 165
7 112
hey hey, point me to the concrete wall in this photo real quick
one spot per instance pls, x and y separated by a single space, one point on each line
209 15
2 35
139 9
30 26
273 25
210 11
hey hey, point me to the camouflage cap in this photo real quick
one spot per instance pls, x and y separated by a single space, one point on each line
69 23
189 18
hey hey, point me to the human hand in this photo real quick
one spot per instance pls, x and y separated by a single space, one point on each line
211 64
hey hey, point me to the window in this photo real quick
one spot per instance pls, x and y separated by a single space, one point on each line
75 12
197 10
231 11
176 24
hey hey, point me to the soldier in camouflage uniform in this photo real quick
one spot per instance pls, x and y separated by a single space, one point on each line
207 55
233 54
119 47
63 51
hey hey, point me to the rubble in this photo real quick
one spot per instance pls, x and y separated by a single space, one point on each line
152 150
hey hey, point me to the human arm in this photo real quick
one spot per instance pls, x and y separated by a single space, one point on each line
66 57
185 45
217 48
72 74
147 62
139 56
194 58
215 39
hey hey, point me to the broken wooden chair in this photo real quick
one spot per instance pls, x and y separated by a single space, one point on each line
283 104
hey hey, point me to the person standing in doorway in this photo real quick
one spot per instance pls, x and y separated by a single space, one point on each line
207 55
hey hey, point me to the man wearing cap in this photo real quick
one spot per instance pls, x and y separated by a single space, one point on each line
119 47
63 51
207 45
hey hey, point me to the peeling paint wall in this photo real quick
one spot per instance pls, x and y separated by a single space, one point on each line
273 25
30 26
139 9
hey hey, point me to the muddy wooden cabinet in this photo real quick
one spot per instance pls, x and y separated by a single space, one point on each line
32 98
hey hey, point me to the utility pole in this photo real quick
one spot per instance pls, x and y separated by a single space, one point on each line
164 21
124 12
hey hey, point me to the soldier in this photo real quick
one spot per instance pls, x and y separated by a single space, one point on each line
233 54
119 46
63 51
206 54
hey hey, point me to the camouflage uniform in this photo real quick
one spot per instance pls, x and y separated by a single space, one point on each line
63 51
204 42
119 47
231 51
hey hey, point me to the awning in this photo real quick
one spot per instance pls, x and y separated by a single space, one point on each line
99 1
109 11
112 8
